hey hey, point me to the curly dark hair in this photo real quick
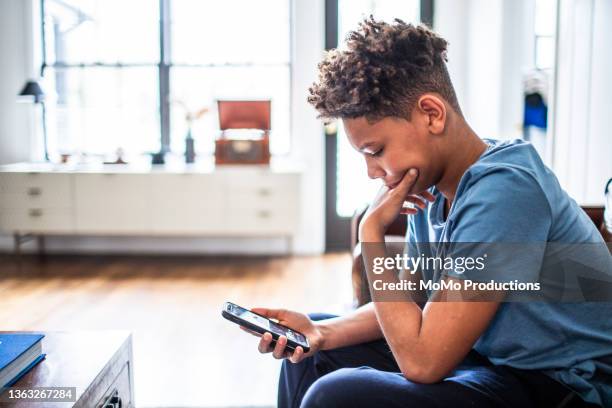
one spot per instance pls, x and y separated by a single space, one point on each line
383 71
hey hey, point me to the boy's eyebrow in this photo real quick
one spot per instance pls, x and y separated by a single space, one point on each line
365 146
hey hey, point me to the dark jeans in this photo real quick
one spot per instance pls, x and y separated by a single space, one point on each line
366 375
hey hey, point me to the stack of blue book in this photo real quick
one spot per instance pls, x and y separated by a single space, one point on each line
18 354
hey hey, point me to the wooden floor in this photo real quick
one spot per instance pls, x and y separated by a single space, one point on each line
185 354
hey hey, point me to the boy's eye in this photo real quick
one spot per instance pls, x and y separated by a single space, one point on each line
377 153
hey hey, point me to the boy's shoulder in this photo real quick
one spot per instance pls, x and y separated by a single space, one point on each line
513 165
513 154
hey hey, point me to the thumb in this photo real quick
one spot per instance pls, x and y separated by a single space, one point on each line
269 313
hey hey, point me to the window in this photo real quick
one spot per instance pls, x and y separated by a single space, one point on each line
124 74
354 188
545 24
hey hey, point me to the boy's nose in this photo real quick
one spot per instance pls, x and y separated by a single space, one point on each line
375 171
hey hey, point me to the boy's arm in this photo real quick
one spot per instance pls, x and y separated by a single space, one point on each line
427 344
357 327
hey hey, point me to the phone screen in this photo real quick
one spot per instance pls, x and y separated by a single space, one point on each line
267 324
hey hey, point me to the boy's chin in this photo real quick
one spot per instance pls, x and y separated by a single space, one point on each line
419 189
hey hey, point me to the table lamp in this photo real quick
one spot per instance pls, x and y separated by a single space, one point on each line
32 89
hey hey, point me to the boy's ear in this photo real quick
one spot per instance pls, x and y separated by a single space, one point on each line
434 111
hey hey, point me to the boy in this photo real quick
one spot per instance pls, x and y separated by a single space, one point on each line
392 91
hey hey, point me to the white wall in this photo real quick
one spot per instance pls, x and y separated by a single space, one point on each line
491 45
450 21
517 52
582 154
307 131
16 119
18 23
484 54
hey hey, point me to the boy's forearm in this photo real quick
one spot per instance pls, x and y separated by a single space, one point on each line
357 327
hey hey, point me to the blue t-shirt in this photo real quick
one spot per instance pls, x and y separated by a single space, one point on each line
509 195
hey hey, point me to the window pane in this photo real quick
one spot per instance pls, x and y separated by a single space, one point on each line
198 87
109 31
97 110
545 52
351 12
545 17
354 188
230 31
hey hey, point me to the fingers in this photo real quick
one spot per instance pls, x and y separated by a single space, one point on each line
264 343
279 348
297 355
407 182
428 196
280 351
418 201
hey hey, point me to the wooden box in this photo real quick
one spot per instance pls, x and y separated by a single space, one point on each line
252 121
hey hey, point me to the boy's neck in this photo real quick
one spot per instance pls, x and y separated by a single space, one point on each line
465 149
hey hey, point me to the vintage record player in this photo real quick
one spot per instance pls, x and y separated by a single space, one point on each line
245 132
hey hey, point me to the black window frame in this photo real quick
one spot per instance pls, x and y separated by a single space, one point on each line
164 66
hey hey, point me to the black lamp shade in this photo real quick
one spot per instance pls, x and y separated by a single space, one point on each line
32 88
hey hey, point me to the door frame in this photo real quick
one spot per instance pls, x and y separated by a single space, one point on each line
337 228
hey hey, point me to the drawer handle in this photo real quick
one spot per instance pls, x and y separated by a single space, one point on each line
115 402
263 214
35 212
264 192
34 191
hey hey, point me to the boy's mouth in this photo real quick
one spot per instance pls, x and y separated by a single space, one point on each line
394 184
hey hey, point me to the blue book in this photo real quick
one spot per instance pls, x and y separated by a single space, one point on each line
18 354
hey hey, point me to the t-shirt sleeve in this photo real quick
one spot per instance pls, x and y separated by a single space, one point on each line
504 218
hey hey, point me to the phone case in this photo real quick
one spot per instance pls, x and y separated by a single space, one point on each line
291 345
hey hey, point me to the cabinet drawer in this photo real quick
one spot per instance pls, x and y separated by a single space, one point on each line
37 220
35 198
19 190
112 203
262 221
260 183
119 392
276 191
285 202
188 203
50 183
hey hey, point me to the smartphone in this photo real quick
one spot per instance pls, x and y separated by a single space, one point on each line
261 324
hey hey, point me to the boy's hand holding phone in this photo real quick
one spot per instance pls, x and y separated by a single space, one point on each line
283 333
298 322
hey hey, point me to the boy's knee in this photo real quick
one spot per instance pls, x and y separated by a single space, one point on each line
331 390
360 387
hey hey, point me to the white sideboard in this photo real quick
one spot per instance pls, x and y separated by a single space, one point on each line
232 201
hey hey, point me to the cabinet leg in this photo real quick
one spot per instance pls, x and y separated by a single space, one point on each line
40 241
290 245
17 244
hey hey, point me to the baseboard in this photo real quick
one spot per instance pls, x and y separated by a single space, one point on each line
153 245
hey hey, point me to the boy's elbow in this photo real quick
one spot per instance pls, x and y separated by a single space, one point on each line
423 375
